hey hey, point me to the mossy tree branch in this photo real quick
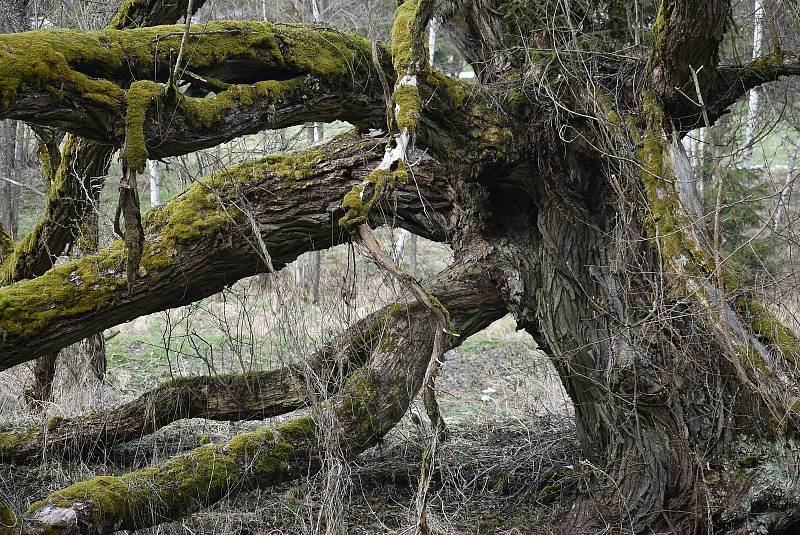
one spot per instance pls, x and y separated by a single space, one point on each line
76 176
78 81
244 396
200 242
733 82
370 403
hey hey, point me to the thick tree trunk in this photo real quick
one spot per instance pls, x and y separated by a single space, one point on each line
685 423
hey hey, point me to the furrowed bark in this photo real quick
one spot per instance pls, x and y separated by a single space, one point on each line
369 404
244 396
687 37
201 242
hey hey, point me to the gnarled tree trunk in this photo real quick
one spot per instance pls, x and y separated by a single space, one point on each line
561 178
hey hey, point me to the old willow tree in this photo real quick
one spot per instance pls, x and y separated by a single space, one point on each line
558 178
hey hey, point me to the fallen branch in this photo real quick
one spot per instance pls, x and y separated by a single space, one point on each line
244 396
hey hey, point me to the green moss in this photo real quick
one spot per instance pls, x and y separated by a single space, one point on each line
138 100
97 65
6 244
9 440
354 204
294 169
8 520
360 397
123 15
454 90
47 61
301 427
769 329
409 106
54 422
666 220
549 494
767 63
67 290
263 451
401 35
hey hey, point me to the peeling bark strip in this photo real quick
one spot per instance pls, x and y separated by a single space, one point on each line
369 404
198 243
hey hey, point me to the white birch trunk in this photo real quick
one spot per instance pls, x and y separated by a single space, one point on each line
752 112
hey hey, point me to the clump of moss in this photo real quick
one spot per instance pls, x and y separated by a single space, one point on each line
8 520
141 95
401 35
667 220
409 106
355 204
6 243
54 422
362 197
768 328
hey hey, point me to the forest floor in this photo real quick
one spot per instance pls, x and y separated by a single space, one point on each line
510 434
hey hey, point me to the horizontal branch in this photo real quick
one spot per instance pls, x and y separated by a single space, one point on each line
243 396
735 81
202 241
78 81
370 403
139 13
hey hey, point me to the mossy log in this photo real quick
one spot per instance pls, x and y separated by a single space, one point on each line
242 396
202 241
369 404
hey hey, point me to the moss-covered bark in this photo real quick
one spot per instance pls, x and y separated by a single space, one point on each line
245 396
54 68
74 178
200 234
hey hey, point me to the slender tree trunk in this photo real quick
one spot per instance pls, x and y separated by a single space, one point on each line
752 111
44 371
9 191
155 185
